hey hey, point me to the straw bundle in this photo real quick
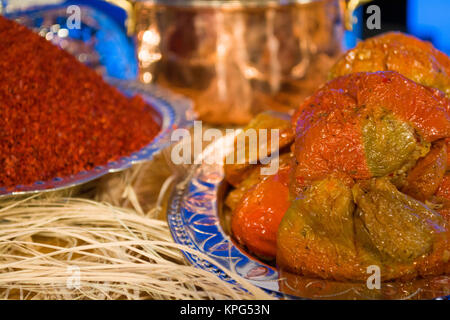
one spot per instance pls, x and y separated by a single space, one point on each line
59 247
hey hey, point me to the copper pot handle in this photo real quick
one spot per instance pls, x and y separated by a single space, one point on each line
349 7
128 7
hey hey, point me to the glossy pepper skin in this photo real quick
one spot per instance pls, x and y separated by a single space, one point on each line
415 59
241 168
351 138
335 232
256 219
369 126
331 125
369 183
315 237
424 179
393 51
442 197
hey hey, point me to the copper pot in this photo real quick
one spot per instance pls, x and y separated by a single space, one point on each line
238 58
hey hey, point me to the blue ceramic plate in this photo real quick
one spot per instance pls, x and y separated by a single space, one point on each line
170 111
194 216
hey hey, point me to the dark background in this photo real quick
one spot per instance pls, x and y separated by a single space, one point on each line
426 19
393 17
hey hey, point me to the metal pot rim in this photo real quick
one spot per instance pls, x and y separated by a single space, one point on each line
227 3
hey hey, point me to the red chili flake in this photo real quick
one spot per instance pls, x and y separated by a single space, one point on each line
57 116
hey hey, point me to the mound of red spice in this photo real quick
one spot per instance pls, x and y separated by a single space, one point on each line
57 116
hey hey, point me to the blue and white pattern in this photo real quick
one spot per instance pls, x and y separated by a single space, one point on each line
194 221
